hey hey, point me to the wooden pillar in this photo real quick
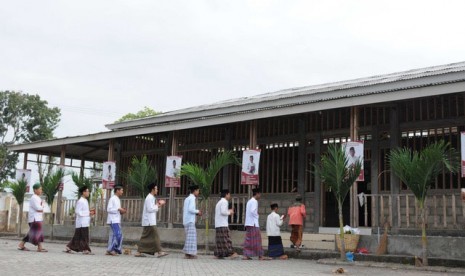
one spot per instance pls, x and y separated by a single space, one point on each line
25 161
301 159
252 145
374 174
174 151
228 146
394 142
111 157
354 189
60 192
319 192
82 167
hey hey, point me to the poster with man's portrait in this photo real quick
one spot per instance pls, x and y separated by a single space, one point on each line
108 175
354 153
250 163
173 171
24 175
462 147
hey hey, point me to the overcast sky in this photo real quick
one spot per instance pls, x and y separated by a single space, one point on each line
98 60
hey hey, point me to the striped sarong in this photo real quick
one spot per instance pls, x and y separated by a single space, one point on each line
296 234
275 246
149 242
253 242
190 245
223 242
80 240
115 239
35 234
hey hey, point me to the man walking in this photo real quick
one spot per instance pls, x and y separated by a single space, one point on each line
114 210
150 241
188 220
80 240
223 238
296 215
35 218
273 231
253 237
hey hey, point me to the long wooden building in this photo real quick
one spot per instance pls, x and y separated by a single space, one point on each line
293 127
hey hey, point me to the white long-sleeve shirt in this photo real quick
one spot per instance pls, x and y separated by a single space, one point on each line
251 213
273 224
149 214
114 216
189 212
221 213
35 205
82 213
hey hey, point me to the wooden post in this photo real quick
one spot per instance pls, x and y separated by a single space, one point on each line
111 157
60 192
354 218
394 142
174 150
252 145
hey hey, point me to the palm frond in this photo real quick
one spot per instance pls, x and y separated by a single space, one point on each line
51 185
18 189
81 182
141 174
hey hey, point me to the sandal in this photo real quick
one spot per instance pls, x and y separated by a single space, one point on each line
138 254
246 258
264 259
23 248
87 252
162 254
42 250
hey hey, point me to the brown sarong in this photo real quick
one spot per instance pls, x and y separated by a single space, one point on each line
296 234
223 243
80 241
35 234
149 241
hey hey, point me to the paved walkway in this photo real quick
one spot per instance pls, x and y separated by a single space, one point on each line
56 262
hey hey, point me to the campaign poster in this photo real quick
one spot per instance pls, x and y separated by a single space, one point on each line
250 164
173 171
354 153
108 175
462 147
25 175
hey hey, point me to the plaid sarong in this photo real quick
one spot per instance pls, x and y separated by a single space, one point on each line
253 242
190 245
35 234
80 240
223 242
149 242
275 246
115 240
296 234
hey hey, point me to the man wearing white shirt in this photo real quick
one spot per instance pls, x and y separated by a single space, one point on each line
188 220
253 236
114 210
35 218
273 231
223 238
150 241
80 240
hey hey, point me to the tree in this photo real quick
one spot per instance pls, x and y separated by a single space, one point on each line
18 190
338 177
24 118
51 186
204 179
146 112
418 170
140 174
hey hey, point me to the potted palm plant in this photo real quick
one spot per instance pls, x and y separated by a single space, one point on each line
418 170
338 177
140 174
18 189
204 179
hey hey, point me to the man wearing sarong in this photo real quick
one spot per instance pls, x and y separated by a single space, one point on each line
149 242
296 215
114 210
253 237
188 219
35 218
273 231
223 238
80 240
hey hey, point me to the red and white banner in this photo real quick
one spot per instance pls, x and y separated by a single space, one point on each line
25 175
462 146
173 171
250 163
108 175
354 153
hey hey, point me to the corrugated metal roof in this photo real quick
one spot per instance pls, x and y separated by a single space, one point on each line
307 94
